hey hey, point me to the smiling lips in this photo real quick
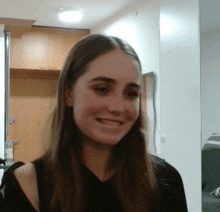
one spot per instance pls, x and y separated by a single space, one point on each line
110 122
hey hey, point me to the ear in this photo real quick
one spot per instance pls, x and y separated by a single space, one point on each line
68 98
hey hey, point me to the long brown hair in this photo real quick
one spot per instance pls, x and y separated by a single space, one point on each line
133 165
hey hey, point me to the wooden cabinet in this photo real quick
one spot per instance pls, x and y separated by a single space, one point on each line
36 59
31 103
43 48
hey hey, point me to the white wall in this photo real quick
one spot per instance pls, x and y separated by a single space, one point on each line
210 68
180 93
2 95
176 62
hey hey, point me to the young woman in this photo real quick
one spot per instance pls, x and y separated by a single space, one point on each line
98 158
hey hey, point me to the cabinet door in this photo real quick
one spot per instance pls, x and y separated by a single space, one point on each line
32 101
31 50
60 43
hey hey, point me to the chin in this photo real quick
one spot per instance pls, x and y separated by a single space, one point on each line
108 142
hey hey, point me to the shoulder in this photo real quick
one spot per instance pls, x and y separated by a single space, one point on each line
27 168
164 169
167 177
26 172
170 186
26 177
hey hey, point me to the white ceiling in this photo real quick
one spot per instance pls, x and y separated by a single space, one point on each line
45 12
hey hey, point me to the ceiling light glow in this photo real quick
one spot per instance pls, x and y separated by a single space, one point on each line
70 16
166 25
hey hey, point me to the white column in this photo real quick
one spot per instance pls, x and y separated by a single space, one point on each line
180 93
2 94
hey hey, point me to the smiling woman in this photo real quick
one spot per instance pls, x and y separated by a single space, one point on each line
97 160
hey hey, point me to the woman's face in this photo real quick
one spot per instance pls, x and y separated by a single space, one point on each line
105 99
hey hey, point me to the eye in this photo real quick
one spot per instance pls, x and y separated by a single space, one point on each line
132 95
101 90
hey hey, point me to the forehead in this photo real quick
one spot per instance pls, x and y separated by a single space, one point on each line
116 65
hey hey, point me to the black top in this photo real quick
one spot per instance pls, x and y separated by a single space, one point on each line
101 196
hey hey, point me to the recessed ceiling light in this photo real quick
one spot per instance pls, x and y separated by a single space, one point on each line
68 15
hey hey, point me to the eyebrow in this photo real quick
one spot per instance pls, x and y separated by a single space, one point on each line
110 80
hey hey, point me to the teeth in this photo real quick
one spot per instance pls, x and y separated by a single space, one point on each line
113 123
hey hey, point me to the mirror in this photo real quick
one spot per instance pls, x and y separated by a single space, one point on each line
149 109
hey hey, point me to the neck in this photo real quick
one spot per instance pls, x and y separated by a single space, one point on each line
95 158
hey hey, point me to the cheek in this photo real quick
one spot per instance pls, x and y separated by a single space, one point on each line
133 111
86 105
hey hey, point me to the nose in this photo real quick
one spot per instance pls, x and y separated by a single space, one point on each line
116 105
